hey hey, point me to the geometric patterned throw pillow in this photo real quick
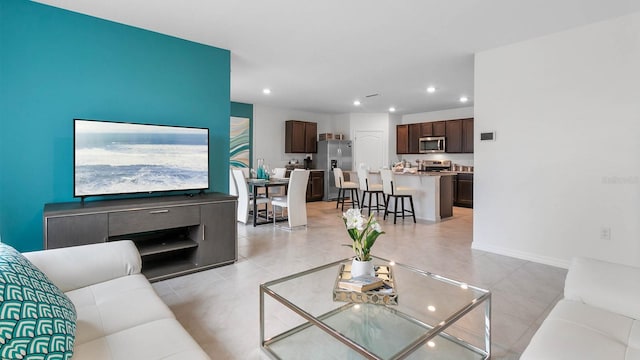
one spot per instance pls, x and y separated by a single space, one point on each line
37 320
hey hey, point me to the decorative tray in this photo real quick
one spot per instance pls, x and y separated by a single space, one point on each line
384 295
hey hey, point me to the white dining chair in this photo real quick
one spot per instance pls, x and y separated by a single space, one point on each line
398 193
295 201
370 188
245 203
233 188
343 187
279 173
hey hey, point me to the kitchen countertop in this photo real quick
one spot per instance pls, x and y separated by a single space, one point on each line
427 173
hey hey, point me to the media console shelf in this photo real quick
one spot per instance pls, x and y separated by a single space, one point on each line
175 235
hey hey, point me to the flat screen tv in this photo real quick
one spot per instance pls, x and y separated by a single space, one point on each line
112 158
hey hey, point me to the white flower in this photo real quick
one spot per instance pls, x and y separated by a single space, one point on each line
363 231
353 219
351 213
376 226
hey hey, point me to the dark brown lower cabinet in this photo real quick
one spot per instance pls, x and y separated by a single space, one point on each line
463 191
315 187
446 189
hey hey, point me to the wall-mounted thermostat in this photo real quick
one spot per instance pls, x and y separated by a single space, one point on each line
491 136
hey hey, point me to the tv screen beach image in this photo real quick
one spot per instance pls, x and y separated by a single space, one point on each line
120 158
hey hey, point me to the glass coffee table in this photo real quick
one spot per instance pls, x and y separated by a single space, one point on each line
434 318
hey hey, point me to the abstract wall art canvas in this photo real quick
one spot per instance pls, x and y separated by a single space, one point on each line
239 147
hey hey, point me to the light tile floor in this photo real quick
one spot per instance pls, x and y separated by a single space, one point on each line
220 307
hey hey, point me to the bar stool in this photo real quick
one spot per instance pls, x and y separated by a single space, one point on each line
343 186
397 192
368 188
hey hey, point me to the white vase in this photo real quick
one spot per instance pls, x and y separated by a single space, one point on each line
359 268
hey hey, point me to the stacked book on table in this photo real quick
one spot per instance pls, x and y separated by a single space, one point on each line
361 283
379 289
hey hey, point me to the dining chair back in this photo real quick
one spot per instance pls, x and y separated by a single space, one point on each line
391 190
244 201
343 187
387 181
233 187
279 173
295 201
371 189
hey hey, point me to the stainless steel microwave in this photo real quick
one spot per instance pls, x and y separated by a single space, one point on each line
434 144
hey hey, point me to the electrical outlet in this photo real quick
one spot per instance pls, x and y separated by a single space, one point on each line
605 233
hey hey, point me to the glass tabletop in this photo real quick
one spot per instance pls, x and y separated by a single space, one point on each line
427 305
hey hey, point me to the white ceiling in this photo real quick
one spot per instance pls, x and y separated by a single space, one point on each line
320 56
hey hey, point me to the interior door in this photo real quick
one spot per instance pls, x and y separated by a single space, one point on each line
370 149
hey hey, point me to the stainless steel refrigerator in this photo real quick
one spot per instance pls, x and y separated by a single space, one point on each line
332 154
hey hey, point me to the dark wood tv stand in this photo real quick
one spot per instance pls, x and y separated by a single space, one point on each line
175 235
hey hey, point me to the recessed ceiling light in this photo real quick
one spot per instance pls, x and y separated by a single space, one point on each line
356 103
431 89
392 109
266 91
463 99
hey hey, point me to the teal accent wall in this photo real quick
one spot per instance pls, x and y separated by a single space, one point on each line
246 111
242 110
57 65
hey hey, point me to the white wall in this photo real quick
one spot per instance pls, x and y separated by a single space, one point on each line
339 124
449 114
371 122
394 120
565 163
268 132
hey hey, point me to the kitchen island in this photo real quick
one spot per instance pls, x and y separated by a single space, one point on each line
433 197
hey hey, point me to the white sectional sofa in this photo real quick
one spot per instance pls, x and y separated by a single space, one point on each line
599 317
119 315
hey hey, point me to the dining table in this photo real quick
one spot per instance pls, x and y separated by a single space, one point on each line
256 185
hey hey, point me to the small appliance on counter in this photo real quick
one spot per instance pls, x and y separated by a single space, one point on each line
307 162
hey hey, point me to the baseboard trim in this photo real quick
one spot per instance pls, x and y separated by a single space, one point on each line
547 260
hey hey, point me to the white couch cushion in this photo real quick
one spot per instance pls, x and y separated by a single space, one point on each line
614 287
115 305
633 352
574 330
162 339
75 267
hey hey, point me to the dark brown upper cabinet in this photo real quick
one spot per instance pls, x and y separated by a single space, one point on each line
467 135
426 129
402 139
300 137
311 137
459 134
439 128
414 138
454 136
